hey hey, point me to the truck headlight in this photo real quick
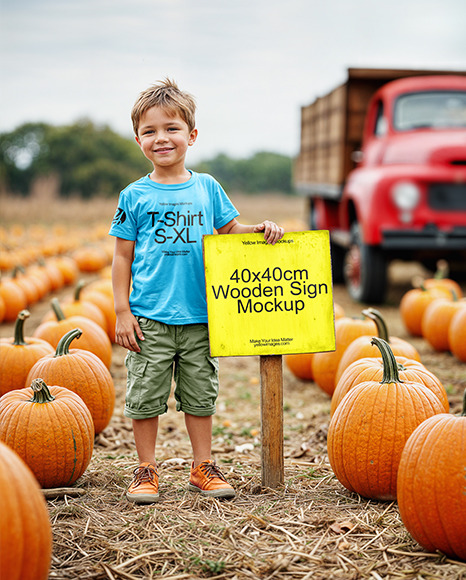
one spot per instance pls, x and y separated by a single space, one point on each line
406 195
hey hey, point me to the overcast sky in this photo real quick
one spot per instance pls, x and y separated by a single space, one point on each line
251 64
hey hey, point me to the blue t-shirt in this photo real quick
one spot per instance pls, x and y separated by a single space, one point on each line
167 223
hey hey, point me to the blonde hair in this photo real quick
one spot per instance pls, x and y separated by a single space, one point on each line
167 95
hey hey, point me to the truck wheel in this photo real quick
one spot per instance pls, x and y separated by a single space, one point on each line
365 270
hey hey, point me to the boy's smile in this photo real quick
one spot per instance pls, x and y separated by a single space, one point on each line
164 138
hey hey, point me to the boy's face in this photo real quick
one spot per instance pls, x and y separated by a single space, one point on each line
164 137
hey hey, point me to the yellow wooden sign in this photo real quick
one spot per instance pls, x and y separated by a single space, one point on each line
264 299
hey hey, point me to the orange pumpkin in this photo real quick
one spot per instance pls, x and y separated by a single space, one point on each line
77 306
370 427
414 303
2 308
101 285
300 365
371 369
83 373
362 346
42 278
94 338
18 355
457 335
436 322
57 279
90 258
338 310
105 303
27 284
14 298
68 268
441 280
431 487
51 429
325 364
25 530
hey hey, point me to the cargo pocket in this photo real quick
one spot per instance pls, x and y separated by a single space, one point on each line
135 364
135 383
214 363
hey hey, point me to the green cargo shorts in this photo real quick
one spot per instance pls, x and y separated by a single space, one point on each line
179 352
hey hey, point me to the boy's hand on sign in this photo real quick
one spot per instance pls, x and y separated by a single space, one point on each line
272 232
126 331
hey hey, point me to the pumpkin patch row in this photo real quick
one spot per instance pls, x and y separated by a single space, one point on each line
54 400
46 360
37 262
387 419
47 355
437 312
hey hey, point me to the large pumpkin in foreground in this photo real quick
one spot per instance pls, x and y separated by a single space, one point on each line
432 484
370 427
371 369
25 531
51 429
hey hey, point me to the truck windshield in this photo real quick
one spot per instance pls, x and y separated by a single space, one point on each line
436 110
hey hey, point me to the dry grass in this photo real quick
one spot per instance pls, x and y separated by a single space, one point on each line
45 210
312 527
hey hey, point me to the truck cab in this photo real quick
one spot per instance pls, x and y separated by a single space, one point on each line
404 194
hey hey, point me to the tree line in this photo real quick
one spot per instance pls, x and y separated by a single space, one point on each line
89 160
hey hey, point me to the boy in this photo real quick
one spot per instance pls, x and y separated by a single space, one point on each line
162 321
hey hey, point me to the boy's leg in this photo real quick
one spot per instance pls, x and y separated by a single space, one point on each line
200 434
144 488
145 437
147 392
205 477
196 378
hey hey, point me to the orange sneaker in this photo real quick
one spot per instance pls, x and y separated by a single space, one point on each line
208 480
145 485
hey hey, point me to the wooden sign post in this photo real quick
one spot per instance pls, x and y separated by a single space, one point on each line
272 461
268 301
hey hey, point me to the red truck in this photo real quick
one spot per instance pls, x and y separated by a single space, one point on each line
383 162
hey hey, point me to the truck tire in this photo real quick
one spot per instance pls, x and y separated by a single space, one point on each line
365 270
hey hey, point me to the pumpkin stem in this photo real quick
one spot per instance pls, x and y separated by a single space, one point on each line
442 270
19 328
77 291
390 365
57 309
377 317
463 414
41 392
18 269
63 347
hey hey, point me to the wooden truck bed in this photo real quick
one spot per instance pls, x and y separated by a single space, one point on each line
332 128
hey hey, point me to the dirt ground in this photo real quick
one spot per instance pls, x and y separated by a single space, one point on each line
312 527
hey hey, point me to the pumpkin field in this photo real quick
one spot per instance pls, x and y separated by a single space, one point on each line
316 525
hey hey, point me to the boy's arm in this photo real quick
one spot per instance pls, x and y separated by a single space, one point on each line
126 324
272 232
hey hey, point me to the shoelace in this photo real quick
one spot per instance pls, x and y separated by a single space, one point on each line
211 470
143 473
